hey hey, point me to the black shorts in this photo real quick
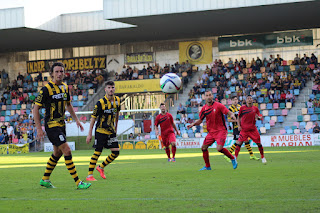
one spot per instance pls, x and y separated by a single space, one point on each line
236 134
57 135
105 141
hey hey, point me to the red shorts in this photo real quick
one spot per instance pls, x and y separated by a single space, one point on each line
168 138
218 136
253 134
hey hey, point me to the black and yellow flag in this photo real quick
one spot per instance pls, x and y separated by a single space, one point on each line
196 52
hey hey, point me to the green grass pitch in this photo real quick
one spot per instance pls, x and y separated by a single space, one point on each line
143 181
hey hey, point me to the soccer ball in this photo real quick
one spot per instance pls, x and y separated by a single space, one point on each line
170 83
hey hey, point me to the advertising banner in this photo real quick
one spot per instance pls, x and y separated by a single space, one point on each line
48 147
14 149
196 52
139 58
134 86
79 63
261 41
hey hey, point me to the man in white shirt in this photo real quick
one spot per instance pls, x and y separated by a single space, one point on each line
228 74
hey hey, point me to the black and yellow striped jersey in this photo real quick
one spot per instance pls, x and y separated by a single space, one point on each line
235 110
54 98
106 111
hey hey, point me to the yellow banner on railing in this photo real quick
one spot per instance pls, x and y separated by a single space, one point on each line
133 86
13 149
196 52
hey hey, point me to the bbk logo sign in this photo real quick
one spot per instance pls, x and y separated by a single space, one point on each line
288 39
241 43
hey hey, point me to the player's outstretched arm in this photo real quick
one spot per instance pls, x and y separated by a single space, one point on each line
74 116
157 130
89 136
232 116
196 123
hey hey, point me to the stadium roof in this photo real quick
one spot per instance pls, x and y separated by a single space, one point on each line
246 20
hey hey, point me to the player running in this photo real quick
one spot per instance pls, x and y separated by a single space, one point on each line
247 126
235 107
165 120
214 113
107 111
55 98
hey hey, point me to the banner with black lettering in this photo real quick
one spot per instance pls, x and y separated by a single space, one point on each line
261 41
139 58
79 63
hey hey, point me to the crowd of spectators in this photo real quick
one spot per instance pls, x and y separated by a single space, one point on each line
24 90
265 79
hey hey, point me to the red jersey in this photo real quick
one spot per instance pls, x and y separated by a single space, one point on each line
214 115
165 122
248 117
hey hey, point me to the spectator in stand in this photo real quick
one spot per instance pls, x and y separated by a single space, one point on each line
267 85
131 137
39 76
193 101
283 97
243 63
289 97
305 60
273 66
271 59
316 128
200 81
278 60
310 103
204 76
227 93
315 89
314 60
2 139
264 91
230 64
237 67
259 62
234 81
296 60
271 97
228 74
183 119
181 109
139 137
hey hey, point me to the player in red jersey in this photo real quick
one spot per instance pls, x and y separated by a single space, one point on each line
165 120
214 113
247 126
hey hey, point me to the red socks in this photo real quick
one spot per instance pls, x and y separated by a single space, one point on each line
237 150
227 153
205 154
261 151
168 151
174 148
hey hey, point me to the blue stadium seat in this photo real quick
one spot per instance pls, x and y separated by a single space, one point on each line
271 113
267 119
178 116
260 100
194 110
190 116
267 126
300 118
303 131
314 117
196 116
296 92
232 89
310 131
302 124
13 107
289 131
204 134
281 68
269 106
189 131
310 111
258 93
280 119
311 96
277 112
189 110
191 135
258 75
7 119
211 78
287 127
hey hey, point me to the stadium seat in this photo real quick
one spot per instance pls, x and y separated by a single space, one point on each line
304 111
287 127
147 137
267 126
214 90
196 116
266 119
274 118
282 131
275 106
281 68
306 118
263 106
288 105
289 131
272 123
184 135
260 100
265 112
284 112
190 116
317 110
2 118
294 127
282 105
278 112
232 89
302 124
194 109
263 130
258 93
303 131
310 111
297 131
296 92
198 135
296 124
314 117
271 113
269 106
311 96
300 118
7 119
204 134
266 100
280 119
319 117
310 131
